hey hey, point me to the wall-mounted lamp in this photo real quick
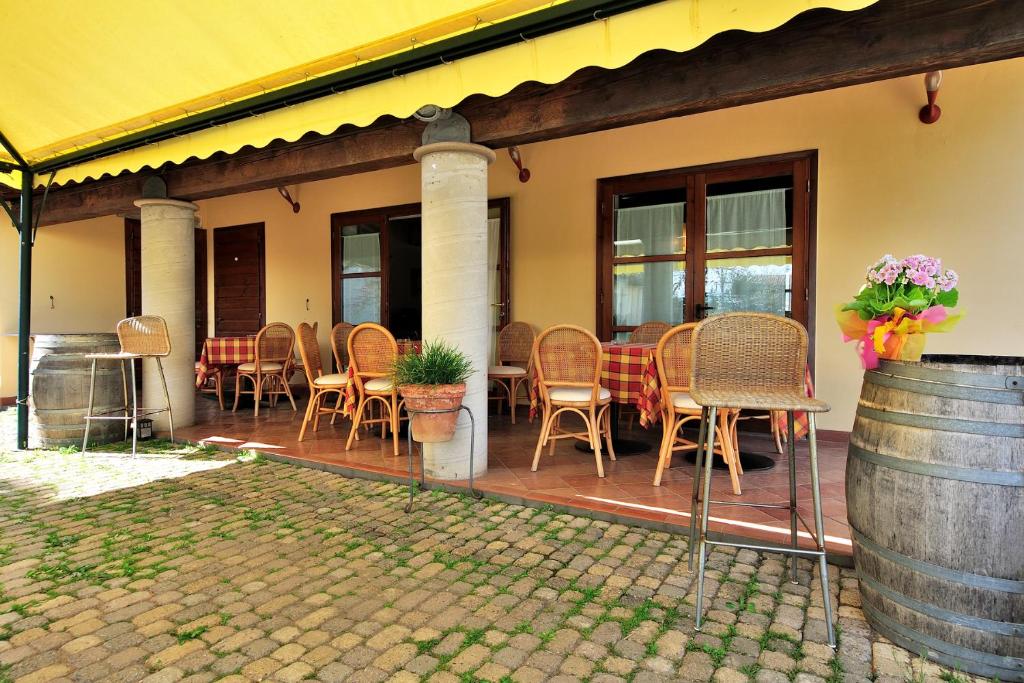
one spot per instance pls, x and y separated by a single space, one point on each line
930 112
283 191
517 159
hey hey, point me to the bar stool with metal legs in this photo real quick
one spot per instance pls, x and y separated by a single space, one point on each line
141 337
754 361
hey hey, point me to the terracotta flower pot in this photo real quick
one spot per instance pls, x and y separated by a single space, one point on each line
436 427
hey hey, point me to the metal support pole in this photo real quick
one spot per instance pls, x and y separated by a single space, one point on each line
25 304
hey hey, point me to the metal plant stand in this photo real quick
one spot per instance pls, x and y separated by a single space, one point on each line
423 476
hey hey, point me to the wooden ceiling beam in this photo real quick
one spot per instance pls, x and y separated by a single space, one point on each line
818 50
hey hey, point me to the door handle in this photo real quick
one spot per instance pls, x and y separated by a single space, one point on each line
701 310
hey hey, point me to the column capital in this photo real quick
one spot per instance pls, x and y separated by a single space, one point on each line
161 201
465 147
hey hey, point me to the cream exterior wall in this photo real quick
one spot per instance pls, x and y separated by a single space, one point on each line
886 183
81 265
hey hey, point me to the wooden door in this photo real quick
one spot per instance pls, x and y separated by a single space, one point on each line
133 276
239 280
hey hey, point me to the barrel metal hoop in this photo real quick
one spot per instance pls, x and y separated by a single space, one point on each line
928 469
985 663
945 390
943 424
1002 628
967 379
966 578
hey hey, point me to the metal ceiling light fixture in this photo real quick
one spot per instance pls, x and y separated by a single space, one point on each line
930 112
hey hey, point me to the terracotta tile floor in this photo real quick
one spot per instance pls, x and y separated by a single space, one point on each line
569 477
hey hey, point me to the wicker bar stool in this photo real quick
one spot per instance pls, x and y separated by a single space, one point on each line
567 360
372 350
755 361
672 358
515 342
320 385
269 372
141 337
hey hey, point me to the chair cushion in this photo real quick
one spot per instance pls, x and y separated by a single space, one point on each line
378 384
576 394
506 370
266 366
335 380
682 399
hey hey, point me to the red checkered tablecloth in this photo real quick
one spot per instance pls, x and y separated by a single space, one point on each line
224 351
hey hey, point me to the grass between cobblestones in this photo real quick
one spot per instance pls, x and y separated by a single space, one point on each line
206 568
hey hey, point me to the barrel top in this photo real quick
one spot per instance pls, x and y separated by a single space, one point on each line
74 336
966 359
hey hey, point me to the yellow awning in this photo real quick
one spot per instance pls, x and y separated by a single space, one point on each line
75 74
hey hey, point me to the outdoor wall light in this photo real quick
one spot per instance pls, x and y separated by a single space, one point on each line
930 112
517 159
288 198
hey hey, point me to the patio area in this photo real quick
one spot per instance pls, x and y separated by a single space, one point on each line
567 479
191 565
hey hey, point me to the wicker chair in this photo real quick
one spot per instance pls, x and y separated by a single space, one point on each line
339 344
371 352
649 332
144 336
268 374
320 385
755 361
567 360
515 341
672 359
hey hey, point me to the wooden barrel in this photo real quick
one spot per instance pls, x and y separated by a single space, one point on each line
60 389
935 500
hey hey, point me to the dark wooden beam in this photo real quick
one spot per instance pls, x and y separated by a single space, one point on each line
817 50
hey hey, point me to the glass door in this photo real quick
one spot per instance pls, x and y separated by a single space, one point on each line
677 246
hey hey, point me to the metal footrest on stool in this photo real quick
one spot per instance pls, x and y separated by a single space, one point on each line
132 415
706 447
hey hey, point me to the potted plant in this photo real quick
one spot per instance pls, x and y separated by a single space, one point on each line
902 300
433 380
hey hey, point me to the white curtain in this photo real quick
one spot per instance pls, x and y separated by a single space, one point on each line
493 283
361 253
650 291
747 220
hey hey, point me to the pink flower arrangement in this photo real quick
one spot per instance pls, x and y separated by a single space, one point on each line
901 301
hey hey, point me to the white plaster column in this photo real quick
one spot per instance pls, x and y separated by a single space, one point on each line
455 305
169 291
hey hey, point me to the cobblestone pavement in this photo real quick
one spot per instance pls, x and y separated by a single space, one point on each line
176 568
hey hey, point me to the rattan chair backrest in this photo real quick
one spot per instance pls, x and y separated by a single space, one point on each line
339 344
649 332
372 350
144 335
749 354
568 356
275 343
673 358
309 352
515 342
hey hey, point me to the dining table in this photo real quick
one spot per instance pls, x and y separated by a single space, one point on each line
222 353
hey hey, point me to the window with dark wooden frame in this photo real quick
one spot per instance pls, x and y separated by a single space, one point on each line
678 245
367 248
